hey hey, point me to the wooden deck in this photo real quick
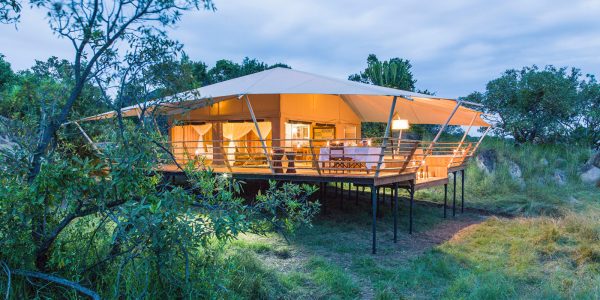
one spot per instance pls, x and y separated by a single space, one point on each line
311 175
306 175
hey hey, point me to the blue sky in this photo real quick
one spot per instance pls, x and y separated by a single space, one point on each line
455 46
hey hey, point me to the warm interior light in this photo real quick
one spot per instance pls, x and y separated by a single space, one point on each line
400 124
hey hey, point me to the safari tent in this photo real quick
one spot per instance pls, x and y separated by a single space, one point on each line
283 124
243 122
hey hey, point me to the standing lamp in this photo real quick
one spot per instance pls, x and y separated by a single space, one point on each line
399 124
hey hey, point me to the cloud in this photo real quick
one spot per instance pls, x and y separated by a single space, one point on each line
455 46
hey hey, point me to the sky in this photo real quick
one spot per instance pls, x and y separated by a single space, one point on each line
455 46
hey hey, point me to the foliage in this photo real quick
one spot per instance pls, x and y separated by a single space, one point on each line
538 192
540 105
586 127
6 73
34 96
226 69
10 11
394 73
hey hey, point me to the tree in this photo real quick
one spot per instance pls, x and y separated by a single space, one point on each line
10 11
226 69
586 127
95 29
394 73
6 73
36 93
533 104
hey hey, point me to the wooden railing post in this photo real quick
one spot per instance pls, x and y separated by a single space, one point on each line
315 161
225 156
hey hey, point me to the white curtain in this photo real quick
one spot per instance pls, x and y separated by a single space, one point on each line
236 131
202 130
265 129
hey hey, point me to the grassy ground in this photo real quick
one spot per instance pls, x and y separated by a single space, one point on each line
546 245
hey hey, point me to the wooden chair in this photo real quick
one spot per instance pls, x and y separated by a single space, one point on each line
336 159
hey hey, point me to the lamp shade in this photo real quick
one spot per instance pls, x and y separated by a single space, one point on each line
399 124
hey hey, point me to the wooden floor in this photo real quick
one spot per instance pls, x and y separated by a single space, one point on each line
312 175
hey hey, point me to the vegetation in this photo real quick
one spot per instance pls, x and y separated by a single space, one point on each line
544 105
549 182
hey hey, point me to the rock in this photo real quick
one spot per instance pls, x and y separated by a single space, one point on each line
559 177
515 173
514 170
486 160
574 200
595 159
592 175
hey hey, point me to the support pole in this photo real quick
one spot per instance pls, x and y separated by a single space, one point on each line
87 138
395 192
481 138
462 140
377 192
386 136
462 191
412 200
430 148
341 195
325 201
260 137
454 194
445 198
374 222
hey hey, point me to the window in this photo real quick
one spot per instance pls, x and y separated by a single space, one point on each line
350 132
295 133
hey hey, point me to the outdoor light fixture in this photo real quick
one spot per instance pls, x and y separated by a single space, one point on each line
400 124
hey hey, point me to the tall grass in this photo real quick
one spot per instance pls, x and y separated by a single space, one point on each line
538 192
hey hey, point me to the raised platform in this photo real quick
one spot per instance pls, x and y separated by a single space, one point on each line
305 175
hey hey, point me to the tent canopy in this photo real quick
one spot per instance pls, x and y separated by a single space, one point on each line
371 103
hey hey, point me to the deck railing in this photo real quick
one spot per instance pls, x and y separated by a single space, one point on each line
340 156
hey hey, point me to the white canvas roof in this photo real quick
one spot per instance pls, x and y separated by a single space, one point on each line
371 103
